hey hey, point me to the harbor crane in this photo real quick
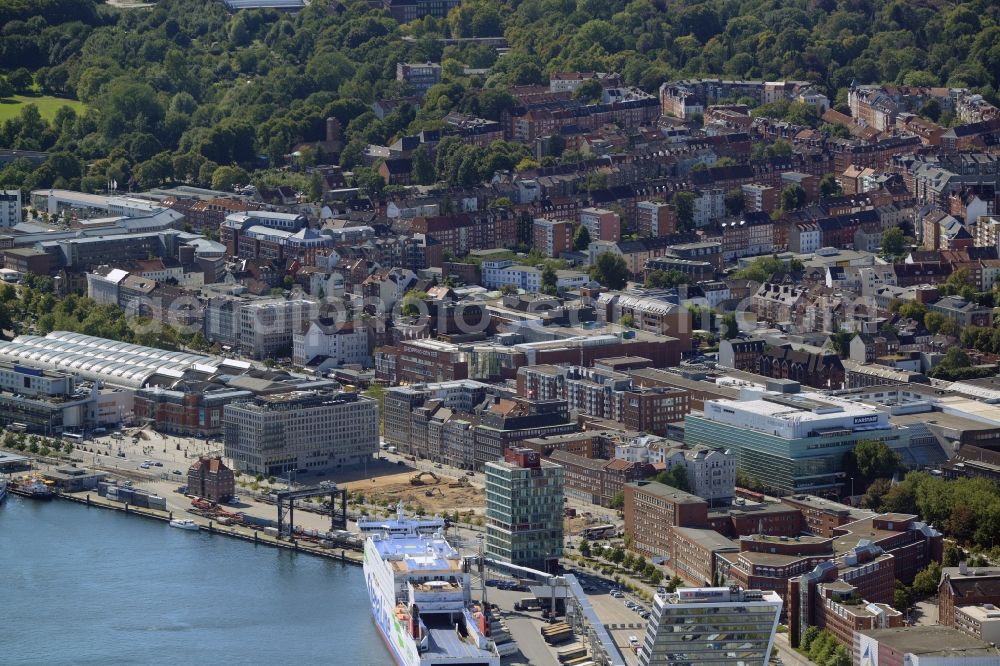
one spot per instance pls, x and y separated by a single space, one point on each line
338 517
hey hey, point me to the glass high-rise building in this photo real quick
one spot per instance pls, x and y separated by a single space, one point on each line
524 509
711 626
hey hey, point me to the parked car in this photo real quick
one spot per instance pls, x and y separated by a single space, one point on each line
177 472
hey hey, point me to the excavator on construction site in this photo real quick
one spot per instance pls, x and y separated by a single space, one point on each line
430 493
418 478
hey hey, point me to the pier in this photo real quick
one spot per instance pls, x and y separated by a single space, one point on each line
340 553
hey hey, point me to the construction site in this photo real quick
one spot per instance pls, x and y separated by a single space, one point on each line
432 492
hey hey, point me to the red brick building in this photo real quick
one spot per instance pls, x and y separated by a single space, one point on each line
966 586
211 479
822 516
651 509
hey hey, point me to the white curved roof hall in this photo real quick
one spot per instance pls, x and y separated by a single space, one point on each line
98 359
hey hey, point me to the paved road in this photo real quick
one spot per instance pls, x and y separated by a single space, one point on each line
789 657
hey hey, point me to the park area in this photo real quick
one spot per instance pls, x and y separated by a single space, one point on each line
10 107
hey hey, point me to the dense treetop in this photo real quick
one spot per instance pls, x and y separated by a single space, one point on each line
177 90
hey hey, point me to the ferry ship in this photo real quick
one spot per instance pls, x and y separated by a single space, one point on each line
422 600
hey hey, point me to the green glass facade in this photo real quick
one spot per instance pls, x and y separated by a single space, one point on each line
806 464
524 508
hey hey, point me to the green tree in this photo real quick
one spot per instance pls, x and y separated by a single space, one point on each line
508 290
589 92
581 239
549 281
822 647
410 306
675 477
875 460
585 548
225 177
952 555
617 501
829 187
659 279
933 321
913 310
422 170
154 171
734 201
369 181
627 320
628 561
808 637
683 202
21 80
878 489
729 328
893 242
925 583
609 270
793 197
901 597
839 657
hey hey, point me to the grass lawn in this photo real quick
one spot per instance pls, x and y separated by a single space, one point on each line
10 107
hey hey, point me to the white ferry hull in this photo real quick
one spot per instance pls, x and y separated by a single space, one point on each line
399 643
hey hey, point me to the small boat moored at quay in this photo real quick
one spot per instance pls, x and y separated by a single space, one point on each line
184 524
31 486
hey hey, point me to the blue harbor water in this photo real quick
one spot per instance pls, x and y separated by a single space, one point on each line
90 586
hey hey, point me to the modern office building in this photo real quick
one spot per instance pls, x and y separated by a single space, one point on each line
524 509
312 430
793 442
711 626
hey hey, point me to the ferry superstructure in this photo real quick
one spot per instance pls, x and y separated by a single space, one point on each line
401 526
422 600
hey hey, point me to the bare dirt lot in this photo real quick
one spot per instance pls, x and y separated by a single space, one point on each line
443 497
